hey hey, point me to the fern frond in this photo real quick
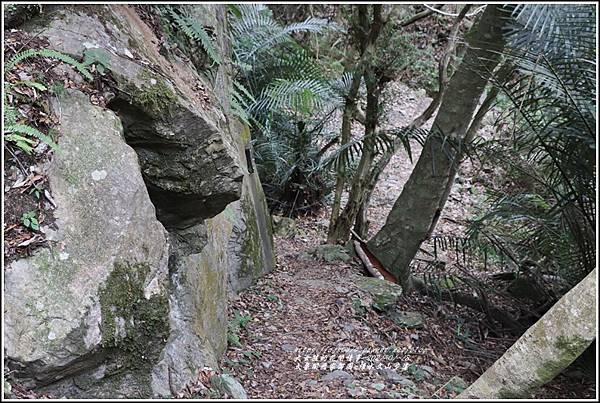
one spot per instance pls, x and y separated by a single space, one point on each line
301 95
51 54
32 84
194 30
22 142
31 132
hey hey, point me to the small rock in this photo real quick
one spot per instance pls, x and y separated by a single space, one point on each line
385 293
284 226
312 383
393 376
411 320
406 383
355 392
267 364
337 374
288 348
66 70
329 253
378 386
228 385
40 148
456 385
424 371
394 395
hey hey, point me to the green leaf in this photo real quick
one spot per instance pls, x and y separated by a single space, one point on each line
49 53
33 84
32 132
96 55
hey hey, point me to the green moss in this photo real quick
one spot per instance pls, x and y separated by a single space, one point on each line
384 293
568 350
130 322
245 134
209 323
251 248
571 346
158 97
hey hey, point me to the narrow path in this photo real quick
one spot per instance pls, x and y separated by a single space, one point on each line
307 312
309 307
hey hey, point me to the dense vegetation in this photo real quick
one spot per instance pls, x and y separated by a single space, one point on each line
313 86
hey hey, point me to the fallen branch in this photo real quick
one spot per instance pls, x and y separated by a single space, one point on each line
366 262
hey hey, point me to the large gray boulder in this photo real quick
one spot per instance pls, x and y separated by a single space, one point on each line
189 159
103 283
149 306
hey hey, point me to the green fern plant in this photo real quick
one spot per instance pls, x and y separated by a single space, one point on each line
192 29
51 54
22 135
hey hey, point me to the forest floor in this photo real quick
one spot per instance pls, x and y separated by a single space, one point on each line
300 322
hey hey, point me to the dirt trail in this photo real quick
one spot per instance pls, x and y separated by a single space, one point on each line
307 312
308 306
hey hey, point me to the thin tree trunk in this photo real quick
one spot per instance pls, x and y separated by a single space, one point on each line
347 119
339 229
546 348
362 223
348 115
411 217
361 226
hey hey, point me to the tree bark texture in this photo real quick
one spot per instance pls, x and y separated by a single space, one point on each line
422 197
546 348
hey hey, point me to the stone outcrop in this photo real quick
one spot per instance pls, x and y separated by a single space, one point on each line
105 280
159 219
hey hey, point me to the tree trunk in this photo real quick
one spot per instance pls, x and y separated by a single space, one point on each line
348 115
546 348
347 119
362 223
339 229
361 226
421 200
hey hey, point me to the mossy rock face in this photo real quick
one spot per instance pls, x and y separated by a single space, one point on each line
99 289
384 293
250 247
112 309
189 157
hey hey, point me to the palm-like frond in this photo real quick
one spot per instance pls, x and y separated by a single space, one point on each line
550 146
